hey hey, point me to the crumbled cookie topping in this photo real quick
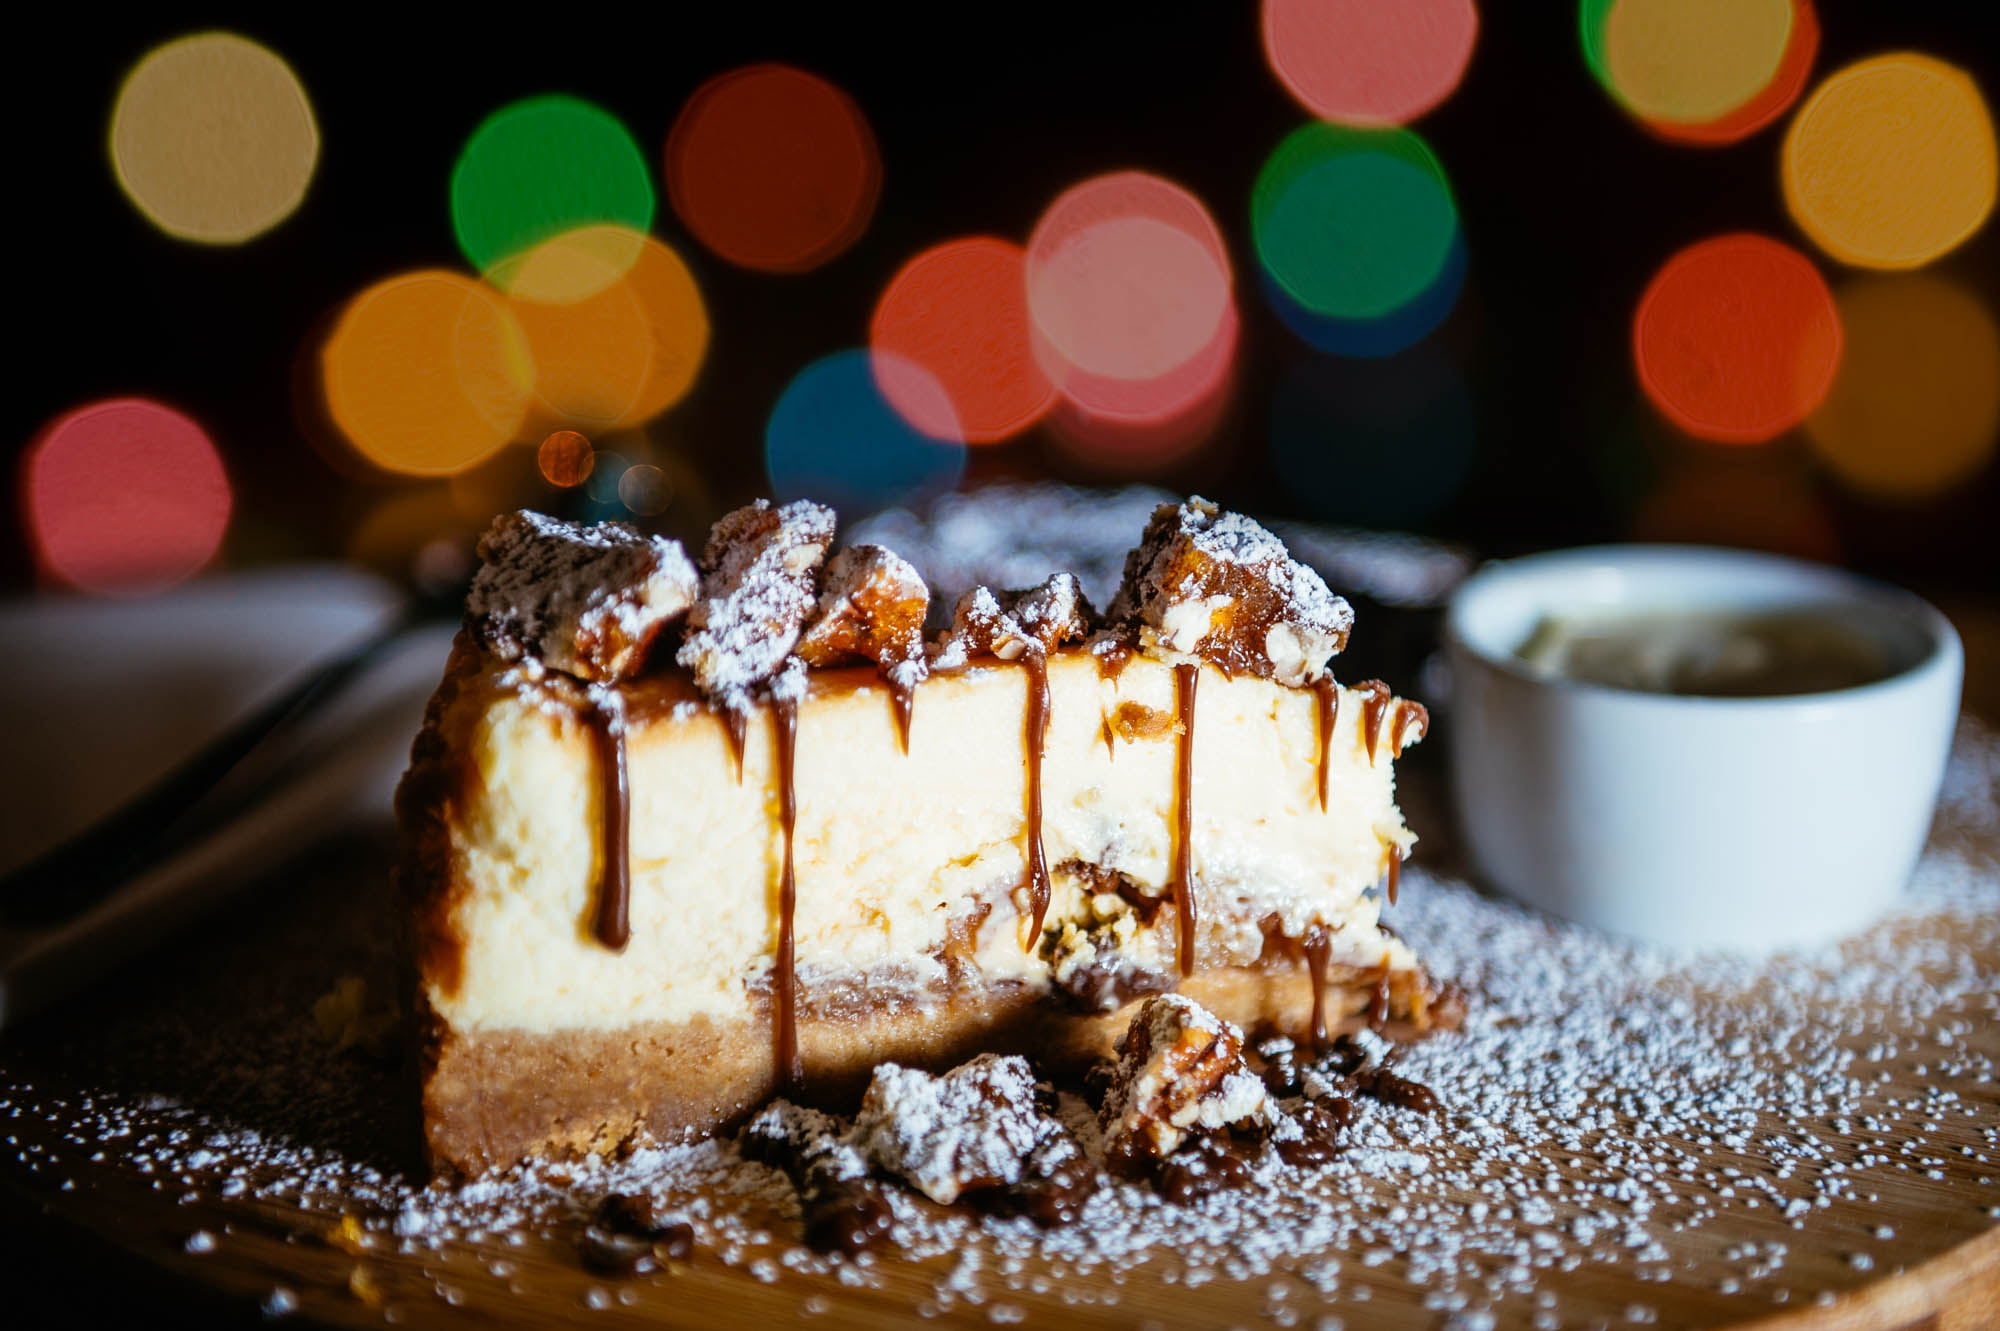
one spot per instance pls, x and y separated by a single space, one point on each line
1011 624
588 601
1207 585
871 607
757 591
1180 1071
974 1127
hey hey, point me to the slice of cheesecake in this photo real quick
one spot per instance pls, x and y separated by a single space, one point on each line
649 889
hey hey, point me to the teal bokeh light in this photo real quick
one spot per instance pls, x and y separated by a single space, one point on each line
1353 223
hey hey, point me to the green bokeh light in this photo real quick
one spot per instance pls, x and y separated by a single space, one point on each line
1352 223
1590 16
542 166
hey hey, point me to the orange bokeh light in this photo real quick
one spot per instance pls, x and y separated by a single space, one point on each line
626 348
958 312
1130 298
1736 338
1363 62
426 373
1770 102
565 459
773 168
124 497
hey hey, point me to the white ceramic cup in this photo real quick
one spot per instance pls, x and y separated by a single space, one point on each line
1747 823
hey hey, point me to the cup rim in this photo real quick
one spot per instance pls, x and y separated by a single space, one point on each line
1820 584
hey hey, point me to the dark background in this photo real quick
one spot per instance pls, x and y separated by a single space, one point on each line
984 113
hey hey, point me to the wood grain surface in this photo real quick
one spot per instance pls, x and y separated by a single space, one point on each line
86 1205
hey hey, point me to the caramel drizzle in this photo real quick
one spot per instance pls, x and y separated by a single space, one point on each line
1185 679
1378 1002
903 697
791 1071
1328 694
1395 870
736 724
1038 733
613 925
1406 713
1318 948
1372 710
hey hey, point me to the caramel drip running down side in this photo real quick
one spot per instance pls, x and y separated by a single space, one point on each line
1395 870
903 697
1408 713
613 925
1378 1002
791 1072
1038 734
1185 679
1318 948
737 724
1372 712
1328 693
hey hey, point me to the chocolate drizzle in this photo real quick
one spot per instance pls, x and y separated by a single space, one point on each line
1395 870
613 926
784 996
736 724
1372 712
1185 679
1328 694
1038 734
1318 948
903 697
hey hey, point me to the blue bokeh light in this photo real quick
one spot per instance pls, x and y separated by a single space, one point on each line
1388 335
833 437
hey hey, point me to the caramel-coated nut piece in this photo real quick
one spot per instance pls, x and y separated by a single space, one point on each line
757 591
872 605
1011 624
1180 1071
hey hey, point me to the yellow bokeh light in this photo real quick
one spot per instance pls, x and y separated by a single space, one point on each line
213 139
427 373
1891 162
1916 406
1693 61
616 337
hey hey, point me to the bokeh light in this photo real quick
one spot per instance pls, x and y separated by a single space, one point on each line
773 168
564 459
1116 446
1671 64
213 139
834 437
1130 298
644 490
1353 224
1386 336
1916 406
1366 62
1890 163
123 497
1736 338
959 312
426 373
1373 443
622 353
540 167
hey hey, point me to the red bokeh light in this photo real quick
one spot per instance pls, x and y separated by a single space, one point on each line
1737 338
124 497
960 312
1130 299
773 168
1366 62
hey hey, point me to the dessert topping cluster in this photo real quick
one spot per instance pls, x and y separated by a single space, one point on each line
1202 585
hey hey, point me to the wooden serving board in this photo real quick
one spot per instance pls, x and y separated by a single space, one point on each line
112 1105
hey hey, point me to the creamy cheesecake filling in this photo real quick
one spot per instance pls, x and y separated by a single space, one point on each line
912 869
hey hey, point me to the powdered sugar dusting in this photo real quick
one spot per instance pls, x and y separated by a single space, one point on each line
757 590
